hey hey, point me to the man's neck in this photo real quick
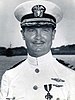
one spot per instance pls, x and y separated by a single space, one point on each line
38 54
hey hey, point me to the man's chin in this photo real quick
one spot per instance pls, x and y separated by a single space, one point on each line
38 49
38 52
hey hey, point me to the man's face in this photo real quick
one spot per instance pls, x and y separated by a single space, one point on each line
38 40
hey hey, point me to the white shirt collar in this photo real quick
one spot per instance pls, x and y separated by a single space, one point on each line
39 60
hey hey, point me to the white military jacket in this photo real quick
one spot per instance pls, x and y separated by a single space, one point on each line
41 78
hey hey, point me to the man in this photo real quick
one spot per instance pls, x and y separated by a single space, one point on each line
40 76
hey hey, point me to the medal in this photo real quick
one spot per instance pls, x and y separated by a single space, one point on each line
48 88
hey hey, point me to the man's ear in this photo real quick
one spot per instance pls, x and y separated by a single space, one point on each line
53 34
22 32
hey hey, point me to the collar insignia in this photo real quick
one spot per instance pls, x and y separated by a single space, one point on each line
38 10
57 80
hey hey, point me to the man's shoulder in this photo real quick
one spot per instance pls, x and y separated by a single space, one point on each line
17 64
65 70
15 69
66 64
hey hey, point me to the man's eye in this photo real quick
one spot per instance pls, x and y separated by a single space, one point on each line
46 30
30 30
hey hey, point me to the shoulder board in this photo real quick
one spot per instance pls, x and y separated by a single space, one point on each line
17 64
66 64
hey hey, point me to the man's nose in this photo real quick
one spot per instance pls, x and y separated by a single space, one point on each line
38 34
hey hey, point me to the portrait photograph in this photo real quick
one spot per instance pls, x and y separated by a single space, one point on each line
37 49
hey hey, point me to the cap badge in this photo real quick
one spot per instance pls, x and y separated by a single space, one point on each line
38 10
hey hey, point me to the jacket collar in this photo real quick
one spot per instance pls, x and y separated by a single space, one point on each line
39 60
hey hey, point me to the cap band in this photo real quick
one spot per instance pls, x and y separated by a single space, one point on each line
38 22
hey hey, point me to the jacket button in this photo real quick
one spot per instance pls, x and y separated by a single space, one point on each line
37 70
35 87
58 99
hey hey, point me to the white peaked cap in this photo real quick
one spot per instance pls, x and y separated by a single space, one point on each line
26 8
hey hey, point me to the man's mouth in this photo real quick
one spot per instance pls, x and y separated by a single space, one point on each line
38 42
